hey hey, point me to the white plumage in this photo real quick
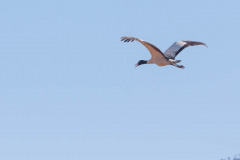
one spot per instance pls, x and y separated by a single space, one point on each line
171 51
168 57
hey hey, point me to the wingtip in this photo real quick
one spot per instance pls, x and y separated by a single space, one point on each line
122 38
127 39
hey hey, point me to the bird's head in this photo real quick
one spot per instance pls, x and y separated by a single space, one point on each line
140 63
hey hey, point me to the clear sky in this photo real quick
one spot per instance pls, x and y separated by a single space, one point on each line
69 89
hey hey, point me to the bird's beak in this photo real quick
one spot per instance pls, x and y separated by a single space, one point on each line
136 65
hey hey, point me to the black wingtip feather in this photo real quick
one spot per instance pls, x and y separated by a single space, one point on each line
128 39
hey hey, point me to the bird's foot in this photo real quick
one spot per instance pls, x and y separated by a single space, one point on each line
180 66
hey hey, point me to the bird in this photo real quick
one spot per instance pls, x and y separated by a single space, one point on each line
158 57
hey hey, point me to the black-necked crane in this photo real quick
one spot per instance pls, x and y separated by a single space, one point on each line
168 57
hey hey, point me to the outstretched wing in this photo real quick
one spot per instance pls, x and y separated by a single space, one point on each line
178 46
155 52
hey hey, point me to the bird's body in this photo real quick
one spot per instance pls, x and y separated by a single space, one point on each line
158 61
168 57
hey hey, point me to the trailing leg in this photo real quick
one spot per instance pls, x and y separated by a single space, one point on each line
179 66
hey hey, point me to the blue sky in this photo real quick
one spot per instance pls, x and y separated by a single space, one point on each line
69 89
